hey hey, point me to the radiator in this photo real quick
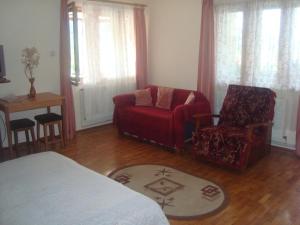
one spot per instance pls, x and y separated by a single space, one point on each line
96 119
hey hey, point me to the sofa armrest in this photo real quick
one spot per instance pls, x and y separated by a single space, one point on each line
120 102
183 114
187 112
124 100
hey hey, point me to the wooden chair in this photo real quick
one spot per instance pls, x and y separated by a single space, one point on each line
48 121
25 125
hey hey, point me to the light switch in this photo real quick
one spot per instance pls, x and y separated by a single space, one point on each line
52 53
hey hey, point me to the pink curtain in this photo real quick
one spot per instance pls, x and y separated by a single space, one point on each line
206 67
298 131
65 83
141 47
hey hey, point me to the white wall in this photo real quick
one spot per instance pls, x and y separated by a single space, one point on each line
26 24
174 37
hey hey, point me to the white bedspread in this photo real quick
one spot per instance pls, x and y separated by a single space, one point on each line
50 189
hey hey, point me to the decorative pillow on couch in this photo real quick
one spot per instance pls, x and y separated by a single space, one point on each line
143 97
190 99
164 97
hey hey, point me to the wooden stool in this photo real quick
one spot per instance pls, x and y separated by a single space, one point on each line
48 120
25 125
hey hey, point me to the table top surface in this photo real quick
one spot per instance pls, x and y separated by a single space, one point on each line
23 102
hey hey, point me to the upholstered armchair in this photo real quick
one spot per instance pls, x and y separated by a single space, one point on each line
243 132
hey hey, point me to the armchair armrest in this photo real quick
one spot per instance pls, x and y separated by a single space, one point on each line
198 116
256 125
252 127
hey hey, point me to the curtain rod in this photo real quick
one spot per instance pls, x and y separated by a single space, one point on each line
121 3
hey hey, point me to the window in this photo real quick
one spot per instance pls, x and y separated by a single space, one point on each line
268 52
103 49
74 24
229 47
258 44
109 58
111 38
294 64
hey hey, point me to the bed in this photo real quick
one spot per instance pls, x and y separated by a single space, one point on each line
50 189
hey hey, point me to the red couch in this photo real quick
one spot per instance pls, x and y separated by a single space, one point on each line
166 127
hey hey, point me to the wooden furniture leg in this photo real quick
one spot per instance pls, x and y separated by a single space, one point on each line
52 132
38 135
51 127
33 138
62 111
27 140
62 139
27 137
9 135
46 136
16 142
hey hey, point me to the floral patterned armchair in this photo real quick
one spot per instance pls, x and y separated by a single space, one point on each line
243 133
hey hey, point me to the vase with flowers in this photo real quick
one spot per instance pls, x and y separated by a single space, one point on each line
30 58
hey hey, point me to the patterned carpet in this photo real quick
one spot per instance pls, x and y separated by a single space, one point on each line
180 195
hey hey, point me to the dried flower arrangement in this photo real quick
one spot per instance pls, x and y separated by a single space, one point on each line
30 58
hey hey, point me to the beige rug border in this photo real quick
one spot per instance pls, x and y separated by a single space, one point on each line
214 212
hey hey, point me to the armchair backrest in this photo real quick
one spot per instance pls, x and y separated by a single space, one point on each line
245 105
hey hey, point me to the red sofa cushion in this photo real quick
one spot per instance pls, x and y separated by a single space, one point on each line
179 96
153 123
150 112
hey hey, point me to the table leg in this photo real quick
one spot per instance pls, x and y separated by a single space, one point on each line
46 136
9 136
33 139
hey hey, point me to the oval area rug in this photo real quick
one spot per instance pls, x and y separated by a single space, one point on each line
180 195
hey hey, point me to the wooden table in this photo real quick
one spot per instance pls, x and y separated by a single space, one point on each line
24 103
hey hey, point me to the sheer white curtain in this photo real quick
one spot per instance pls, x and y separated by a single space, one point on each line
109 63
258 43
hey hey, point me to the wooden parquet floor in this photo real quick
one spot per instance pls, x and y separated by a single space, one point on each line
267 193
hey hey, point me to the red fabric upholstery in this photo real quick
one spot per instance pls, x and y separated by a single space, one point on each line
162 126
243 133
245 105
